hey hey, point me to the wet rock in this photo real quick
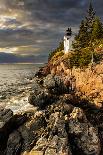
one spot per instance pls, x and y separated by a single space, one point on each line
47 91
84 135
32 130
5 115
39 73
41 98
9 123
55 127
14 144
43 71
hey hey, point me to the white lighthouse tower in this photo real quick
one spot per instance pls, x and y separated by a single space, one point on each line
68 40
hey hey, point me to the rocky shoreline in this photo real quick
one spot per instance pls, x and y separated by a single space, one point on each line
16 96
59 122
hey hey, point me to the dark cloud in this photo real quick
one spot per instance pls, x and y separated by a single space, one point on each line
12 58
39 24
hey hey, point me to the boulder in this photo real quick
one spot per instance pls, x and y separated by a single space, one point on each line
47 91
49 82
41 98
32 130
55 139
84 135
55 84
5 115
14 144
9 123
43 71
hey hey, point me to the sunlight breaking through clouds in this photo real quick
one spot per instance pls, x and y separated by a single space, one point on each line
36 26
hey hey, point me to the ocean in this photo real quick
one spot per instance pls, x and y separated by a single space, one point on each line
16 83
12 73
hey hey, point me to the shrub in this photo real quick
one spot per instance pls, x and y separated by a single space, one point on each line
58 49
83 58
56 57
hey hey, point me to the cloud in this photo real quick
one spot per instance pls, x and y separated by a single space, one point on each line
12 58
34 27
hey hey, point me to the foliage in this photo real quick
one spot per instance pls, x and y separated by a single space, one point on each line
58 49
58 54
83 58
80 59
88 43
89 19
97 30
81 40
83 37
90 31
57 57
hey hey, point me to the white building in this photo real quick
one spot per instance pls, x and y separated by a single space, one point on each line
68 40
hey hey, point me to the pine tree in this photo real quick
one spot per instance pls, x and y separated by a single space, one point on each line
83 35
89 19
97 30
81 40
85 31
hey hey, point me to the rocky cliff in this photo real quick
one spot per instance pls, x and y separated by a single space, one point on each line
67 118
87 82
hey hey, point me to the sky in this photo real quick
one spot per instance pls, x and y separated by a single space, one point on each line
31 29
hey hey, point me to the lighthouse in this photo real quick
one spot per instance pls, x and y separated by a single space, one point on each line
68 40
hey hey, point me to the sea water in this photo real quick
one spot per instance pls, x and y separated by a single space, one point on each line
14 80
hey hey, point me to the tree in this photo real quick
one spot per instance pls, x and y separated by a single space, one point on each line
89 19
97 30
85 31
82 37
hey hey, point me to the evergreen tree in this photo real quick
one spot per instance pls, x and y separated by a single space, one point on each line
85 31
97 30
82 37
89 19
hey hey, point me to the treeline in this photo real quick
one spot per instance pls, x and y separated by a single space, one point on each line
89 36
91 29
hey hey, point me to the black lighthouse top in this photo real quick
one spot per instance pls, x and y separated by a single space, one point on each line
68 32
